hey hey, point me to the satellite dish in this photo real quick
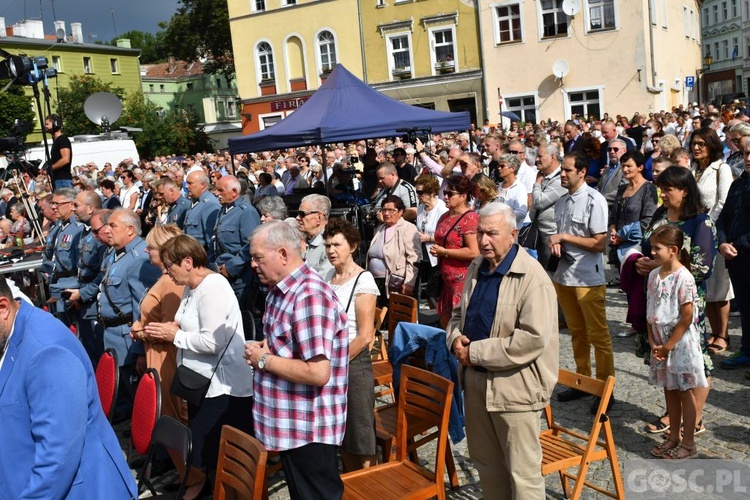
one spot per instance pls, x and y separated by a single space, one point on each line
103 109
60 34
571 7
560 69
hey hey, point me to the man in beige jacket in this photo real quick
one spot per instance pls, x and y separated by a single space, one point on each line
509 356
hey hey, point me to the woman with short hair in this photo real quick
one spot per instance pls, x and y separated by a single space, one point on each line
272 208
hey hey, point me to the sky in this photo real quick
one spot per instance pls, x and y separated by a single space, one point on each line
95 16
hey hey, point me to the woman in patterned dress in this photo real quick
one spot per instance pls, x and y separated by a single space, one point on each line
455 243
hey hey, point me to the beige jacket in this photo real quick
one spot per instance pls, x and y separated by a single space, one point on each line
522 353
402 250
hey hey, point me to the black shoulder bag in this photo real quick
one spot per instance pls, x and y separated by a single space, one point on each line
192 386
435 284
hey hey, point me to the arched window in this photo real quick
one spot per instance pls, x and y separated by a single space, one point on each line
265 61
327 49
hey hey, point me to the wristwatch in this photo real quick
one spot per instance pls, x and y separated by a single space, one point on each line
262 361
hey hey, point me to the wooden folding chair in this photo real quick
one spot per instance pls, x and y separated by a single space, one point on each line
241 471
400 308
379 354
425 397
564 448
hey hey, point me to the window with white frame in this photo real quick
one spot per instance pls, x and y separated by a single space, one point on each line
554 20
445 50
724 11
57 63
399 52
524 106
265 61
259 5
664 13
747 45
113 66
585 103
327 50
706 17
717 54
601 15
231 108
87 68
288 2
716 13
380 3
652 11
725 44
687 19
509 23
736 48
734 8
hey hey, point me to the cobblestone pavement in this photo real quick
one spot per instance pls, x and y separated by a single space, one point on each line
726 415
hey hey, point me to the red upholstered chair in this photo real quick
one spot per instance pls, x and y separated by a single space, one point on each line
107 381
146 411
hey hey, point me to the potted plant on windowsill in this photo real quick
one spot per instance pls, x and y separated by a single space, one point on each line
445 66
402 71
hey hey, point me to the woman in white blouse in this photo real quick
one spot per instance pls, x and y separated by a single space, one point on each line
357 292
714 176
511 190
209 336
429 210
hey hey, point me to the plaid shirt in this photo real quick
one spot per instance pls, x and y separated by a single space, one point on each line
303 319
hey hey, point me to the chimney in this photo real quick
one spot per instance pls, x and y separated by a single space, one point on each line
35 29
60 25
77 32
2 27
123 42
172 65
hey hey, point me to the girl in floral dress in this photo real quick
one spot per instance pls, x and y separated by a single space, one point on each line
676 358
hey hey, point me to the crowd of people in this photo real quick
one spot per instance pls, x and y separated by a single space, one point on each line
508 231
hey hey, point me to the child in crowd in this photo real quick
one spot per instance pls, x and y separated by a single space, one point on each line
676 359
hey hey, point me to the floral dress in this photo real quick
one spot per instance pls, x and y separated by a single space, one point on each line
449 233
683 369
700 242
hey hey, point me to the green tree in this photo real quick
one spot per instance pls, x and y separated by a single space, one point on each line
163 134
200 28
72 99
14 104
152 46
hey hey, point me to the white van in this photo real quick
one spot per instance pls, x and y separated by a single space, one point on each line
93 148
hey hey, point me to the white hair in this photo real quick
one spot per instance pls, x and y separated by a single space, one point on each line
499 208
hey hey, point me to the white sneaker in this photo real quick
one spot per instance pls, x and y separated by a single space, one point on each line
627 333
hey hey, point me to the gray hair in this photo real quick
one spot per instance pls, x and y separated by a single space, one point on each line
6 192
129 218
511 160
18 207
741 128
273 205
319 203
387 167
200 176
68 193
552 149
499 208
277 234
621 141
232 182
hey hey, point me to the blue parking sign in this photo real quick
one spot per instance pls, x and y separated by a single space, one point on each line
690 81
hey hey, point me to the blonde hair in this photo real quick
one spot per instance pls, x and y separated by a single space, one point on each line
161 234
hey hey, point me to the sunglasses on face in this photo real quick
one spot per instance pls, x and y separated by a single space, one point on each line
613 149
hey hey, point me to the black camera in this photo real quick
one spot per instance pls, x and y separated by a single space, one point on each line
412 134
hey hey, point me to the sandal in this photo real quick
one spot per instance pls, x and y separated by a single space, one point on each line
664 447
714 348
657 426
674 453
699 428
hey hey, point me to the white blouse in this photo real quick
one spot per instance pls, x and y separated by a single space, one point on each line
365 284
427 222
714 186
209 318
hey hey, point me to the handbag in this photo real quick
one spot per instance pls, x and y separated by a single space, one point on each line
192 386
528 236
435 284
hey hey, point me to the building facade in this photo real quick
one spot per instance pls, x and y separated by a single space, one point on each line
554 59
721 27
425 53
284 50
70 56
182 86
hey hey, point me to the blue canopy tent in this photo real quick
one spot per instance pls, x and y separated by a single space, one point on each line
345 109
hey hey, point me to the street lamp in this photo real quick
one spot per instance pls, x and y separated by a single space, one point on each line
707 60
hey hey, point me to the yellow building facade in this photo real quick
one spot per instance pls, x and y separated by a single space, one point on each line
284 49
425 53
554 58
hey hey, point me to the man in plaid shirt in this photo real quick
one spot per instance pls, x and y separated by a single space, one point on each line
301 369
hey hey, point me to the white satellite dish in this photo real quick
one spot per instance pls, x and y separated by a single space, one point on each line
571 7
103 108
560 69
60 34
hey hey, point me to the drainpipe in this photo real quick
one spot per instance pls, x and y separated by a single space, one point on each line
362 41
652 88
483 65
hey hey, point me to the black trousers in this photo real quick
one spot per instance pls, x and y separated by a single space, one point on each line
312 472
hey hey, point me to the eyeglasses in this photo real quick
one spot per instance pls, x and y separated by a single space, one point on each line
419 192
613 149
449 194
699 145
655 141
302 214
389 210
59 204
515 152
502 166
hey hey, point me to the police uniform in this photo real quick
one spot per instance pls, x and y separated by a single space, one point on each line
200 221
90 257
65 264
127 276
233 227
177 211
